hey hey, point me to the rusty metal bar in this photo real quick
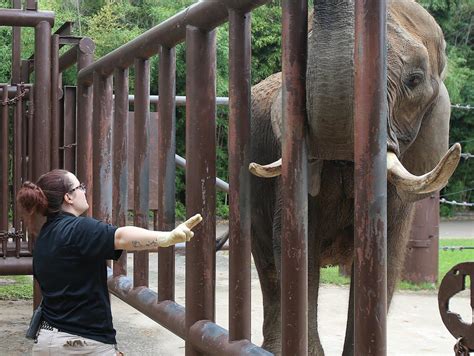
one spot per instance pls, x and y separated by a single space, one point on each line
4 198
55 88
201 175
239 177
29 139
17 155
204 14
16 48
102 148
370 179
84 130
12 91
11 266
141 163
212 339
69 130
120 160
14 17
166 168
220 184
69 58
42 101
294 264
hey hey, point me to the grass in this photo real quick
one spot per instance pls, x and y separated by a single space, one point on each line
447 259
22 288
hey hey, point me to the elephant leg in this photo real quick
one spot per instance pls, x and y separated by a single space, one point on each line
270 286
315 347
349 339
400 217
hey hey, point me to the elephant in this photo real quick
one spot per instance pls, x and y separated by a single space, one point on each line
418 159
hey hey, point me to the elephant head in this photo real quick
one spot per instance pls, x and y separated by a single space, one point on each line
418 102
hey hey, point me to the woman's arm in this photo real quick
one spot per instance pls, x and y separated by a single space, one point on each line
132 238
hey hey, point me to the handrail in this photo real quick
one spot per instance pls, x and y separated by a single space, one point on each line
168 33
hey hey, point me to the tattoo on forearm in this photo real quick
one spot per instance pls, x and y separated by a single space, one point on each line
147 244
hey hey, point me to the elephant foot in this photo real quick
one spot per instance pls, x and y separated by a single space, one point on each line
315 349
273 346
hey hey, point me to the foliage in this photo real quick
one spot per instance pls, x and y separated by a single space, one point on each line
22 288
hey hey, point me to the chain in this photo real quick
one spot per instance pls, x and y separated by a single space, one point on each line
454 202
14 100
71 145
460 349
467 155
12 235
462 107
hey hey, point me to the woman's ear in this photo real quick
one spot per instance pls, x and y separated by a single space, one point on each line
432 140
67 198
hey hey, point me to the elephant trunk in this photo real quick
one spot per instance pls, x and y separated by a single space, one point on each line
330 81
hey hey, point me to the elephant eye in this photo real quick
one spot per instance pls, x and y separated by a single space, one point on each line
414 79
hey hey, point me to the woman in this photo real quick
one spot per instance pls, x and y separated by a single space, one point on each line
69 263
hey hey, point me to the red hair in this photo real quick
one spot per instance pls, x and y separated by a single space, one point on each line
46 196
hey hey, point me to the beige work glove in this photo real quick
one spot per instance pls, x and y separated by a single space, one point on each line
182 232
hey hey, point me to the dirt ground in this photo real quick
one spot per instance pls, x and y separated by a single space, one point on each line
414 324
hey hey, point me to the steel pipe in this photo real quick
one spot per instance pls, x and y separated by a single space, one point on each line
55 88
4 198
85 45
141 165
16 48
166 168
12 266
201 175
120 160
179 100
239 176
370 179
220 184
69 129
18 124
14 17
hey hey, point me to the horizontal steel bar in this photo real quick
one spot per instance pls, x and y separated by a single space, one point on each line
69 58
180 100
16 266
15 17
204 14
180 161
169 314
212 339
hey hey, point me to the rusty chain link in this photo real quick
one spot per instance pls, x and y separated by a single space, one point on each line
14 100
13 235
460 349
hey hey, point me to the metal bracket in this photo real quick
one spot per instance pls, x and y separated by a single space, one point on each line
453 282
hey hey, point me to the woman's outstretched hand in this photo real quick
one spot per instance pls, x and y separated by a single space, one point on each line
182 232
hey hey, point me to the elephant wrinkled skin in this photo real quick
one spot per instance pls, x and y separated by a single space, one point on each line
417 142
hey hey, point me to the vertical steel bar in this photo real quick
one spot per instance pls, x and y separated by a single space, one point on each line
239 178
4 198
29 143
120 160
294 269
25 79
370 179
17 154
16 48
166 168
55 132
200 175
141 163
69 101
102 148
42 120
84 129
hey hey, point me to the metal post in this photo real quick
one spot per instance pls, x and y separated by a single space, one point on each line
4 198
141 164
120 160
370 179
55 132
69 133
42 98
16 48
200 175
239 177
102 148
25 79
17 154
166 168
294 268
84 129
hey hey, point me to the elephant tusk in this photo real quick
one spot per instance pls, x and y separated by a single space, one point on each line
266 171
426 183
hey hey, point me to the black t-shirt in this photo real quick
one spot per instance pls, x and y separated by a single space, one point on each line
69 262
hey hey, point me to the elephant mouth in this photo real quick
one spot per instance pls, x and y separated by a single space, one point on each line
397 174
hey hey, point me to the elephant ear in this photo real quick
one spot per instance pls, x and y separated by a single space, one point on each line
431 142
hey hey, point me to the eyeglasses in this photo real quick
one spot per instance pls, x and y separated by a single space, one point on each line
81 186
